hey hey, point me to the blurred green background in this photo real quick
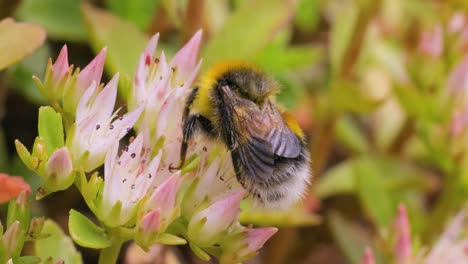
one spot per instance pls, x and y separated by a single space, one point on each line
378 86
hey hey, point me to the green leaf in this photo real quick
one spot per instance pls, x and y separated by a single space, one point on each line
61 18
279 57
140 12
308 14
19 75
248 30
351 238
281 218
340 35
336 180
396 176
168 239
351 136
50 129
124 40
85 233
58 245
349 97
199 252
372 193
419 104
18 40
19 210
27 260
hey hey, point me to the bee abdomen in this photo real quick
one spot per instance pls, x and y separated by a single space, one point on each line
284 186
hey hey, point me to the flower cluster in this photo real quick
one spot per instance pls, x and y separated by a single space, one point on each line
138 197
451 247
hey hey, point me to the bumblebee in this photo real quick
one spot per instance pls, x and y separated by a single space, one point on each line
234 103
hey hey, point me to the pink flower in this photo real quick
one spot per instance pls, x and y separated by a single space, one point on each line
213 178
457 86
403 251
162 87
78 85
245 244
11 187
159 211
127 179
368 257
432 41
97 128
256 238
208 226
451 247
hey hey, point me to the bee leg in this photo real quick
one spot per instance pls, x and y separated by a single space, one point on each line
226 111
189 103
192 125
185 115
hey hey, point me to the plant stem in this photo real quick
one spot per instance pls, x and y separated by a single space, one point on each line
110 255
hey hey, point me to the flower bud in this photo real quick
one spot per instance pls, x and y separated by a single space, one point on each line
59 171
207 226
245 245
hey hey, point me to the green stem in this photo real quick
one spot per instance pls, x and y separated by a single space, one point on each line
110 255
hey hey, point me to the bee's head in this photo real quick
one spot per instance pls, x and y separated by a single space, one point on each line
249 83
244 80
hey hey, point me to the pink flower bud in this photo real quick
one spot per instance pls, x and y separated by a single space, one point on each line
208 225
60 67
59 170
403 249
256 238
91 73
186 58
368 257
432 42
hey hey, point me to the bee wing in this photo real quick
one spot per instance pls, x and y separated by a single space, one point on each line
254 158
269 136
270 126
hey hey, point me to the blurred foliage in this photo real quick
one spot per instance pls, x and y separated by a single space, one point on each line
378 87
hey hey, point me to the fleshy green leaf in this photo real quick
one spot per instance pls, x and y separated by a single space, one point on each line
199 252
27 260
394 176
57 245
285 218
371 191
340 35
168 239
336 180
239 39
61 18
351 238
140 12
122 38
308 14
18 210
50 129
85 233
420 105
347 96
277 56
350 135
19 75
18 40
